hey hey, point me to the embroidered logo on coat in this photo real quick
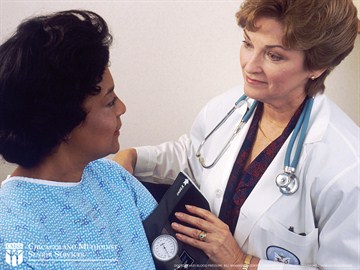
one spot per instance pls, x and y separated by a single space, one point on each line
278 254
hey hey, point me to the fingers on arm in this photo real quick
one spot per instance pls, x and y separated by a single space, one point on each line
127 159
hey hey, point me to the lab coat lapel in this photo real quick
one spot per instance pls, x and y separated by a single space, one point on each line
217 178
265 194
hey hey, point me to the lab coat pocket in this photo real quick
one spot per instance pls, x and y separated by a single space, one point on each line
285 243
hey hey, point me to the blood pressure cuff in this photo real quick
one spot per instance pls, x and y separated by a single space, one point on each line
168 253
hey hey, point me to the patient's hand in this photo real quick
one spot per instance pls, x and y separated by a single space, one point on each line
127 158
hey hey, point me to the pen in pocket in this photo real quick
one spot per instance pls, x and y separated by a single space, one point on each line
291 229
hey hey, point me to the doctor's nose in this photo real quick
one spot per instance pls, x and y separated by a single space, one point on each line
252 63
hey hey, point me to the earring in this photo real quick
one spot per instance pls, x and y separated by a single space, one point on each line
313 77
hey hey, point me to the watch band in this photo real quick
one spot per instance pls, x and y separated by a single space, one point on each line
247 262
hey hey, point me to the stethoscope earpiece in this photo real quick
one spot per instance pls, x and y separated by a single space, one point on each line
286 181
238 104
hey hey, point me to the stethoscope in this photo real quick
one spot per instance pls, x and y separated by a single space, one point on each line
287 180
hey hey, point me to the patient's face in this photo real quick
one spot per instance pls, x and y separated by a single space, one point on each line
98 135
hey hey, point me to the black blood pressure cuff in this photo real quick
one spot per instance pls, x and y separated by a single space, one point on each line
167 251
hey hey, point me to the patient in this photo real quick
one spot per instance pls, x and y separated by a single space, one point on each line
64 206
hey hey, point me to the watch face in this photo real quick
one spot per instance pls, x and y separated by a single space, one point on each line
164 247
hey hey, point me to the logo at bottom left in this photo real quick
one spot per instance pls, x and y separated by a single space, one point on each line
14 253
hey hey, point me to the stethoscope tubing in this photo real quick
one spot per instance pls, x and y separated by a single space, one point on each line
302 124
249 111
290 186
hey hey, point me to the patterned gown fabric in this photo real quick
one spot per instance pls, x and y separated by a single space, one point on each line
93 224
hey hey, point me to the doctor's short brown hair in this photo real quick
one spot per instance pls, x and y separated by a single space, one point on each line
324 29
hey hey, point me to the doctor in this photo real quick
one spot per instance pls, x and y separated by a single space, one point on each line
288 50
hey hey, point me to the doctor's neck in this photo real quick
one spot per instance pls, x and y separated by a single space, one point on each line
280 115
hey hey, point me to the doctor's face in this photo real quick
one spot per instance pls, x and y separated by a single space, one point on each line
272 73
98 135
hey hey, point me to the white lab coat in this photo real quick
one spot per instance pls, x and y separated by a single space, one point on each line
326 207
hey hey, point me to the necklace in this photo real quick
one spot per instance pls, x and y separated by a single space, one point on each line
263 133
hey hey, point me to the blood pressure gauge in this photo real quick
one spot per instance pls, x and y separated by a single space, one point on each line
164 247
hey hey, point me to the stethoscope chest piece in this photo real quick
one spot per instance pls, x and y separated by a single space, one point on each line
287 182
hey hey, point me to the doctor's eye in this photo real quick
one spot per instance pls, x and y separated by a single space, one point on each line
274 56
246 44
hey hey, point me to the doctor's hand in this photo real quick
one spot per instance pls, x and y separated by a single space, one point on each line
127 159
212 236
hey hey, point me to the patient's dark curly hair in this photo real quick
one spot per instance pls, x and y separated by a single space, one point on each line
47 69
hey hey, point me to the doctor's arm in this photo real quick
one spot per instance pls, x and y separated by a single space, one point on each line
162 163
337 211
220 245
336 215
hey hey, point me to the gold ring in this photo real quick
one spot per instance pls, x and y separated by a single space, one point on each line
202 236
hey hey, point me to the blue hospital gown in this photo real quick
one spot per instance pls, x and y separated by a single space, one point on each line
93 224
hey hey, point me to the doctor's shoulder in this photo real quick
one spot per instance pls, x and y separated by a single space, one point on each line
224 101
331 153
341 131
217 107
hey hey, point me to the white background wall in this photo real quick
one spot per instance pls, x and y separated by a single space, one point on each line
170 57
